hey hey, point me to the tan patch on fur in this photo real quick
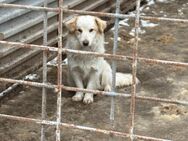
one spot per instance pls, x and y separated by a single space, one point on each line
71 25
100 24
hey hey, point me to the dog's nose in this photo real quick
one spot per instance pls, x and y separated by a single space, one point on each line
85 42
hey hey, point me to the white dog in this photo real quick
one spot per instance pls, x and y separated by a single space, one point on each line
86 33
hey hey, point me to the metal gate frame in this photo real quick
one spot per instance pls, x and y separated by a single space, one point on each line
59 87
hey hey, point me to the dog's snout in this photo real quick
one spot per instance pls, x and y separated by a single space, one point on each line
85 42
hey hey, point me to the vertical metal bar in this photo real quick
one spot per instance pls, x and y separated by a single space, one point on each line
114 63
59 69
45 24
115 45
134 69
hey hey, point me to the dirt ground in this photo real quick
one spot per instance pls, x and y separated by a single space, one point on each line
160 40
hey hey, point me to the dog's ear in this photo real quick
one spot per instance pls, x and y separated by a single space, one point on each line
100 24
71 24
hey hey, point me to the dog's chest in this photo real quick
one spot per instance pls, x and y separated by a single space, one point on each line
84 66
85 70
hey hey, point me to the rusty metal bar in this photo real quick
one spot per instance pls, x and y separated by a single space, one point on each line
29 83
134 71
29 7
115 45
114 67
30 46
59 70
105 55
123 16
125 95
101 14
45 42
66 125
50 86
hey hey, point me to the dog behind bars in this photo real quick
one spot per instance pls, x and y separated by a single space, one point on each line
86 33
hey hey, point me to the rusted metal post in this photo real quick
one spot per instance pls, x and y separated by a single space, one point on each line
134 70
113 62
45 33
59 69
112 109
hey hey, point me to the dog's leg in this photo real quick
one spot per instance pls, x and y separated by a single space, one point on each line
88 98
106 76
93 85
78 81
107 81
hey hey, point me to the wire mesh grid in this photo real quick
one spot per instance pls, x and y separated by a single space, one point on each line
59 87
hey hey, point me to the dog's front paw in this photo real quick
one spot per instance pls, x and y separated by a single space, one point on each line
78 96
88 98
107 88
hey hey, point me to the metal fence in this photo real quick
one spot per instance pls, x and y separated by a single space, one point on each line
59 87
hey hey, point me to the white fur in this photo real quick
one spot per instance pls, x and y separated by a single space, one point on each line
86 71
124 79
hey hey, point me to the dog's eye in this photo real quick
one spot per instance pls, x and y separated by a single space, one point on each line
79 30
91 30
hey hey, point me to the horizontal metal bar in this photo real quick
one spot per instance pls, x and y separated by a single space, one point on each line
67 88
29 7
24 56
37 33
31 46
29 83
9 14
23 22
123 16
108 56
85 128
15 62
124 95
101 14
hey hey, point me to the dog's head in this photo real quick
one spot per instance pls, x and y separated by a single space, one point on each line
86 28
